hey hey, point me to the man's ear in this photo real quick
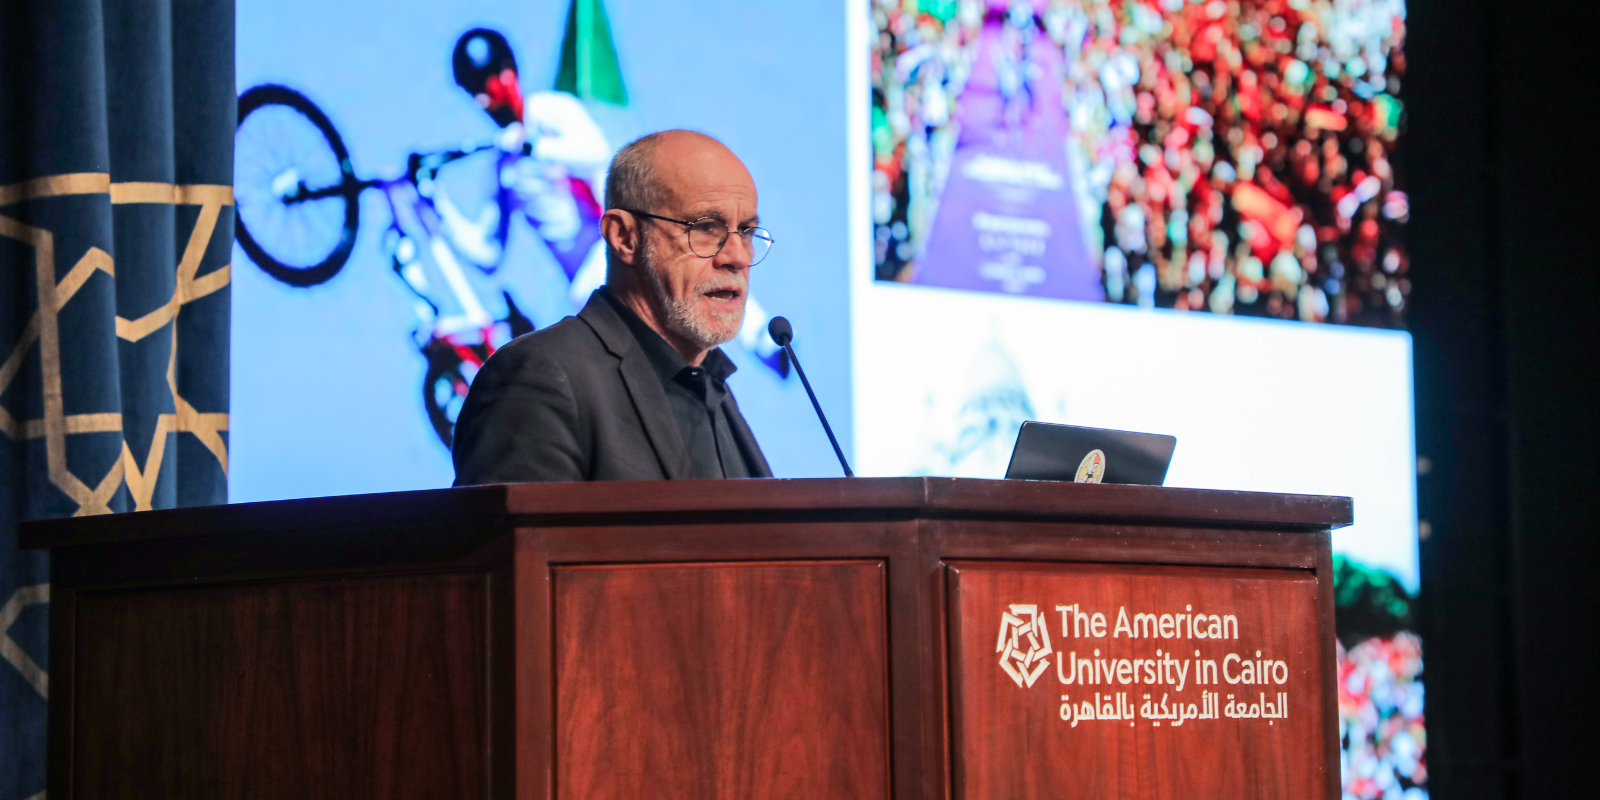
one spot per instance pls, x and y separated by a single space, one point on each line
620 230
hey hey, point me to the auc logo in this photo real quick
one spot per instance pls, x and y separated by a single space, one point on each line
1024 644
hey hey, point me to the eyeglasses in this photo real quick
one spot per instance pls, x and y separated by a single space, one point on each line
707 236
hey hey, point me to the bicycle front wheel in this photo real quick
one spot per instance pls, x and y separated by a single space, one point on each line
294 191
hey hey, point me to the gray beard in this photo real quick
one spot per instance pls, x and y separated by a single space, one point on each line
681 318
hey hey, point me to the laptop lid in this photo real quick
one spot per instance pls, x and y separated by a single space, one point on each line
1046 452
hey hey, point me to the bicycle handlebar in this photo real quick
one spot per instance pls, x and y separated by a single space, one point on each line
416 164
431 162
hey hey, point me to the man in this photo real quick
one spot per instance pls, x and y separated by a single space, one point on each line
634 387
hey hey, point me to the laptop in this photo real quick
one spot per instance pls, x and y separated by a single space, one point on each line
1047 452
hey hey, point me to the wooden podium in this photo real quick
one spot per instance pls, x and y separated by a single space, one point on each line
906 637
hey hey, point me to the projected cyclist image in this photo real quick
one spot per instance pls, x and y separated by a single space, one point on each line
299 213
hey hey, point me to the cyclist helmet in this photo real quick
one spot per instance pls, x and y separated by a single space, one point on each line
486 68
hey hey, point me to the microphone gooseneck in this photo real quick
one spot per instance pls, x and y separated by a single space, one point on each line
782 333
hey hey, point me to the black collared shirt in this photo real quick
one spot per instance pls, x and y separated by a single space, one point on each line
698 396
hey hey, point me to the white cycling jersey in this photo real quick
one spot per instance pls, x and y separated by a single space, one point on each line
562 132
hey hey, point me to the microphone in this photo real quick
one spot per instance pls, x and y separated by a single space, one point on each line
781 333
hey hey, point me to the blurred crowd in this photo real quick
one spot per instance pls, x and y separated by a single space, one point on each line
1381 719
1235 156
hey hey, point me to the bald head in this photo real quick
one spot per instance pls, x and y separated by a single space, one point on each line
696 302
645 173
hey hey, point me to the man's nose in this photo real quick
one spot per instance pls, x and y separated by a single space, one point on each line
736 253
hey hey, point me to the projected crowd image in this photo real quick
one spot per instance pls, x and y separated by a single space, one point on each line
1224 156
1381 698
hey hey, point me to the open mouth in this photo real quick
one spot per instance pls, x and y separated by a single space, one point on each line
724 295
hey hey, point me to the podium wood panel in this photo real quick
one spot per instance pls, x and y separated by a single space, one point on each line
811 638
363 689
722 681
1042 731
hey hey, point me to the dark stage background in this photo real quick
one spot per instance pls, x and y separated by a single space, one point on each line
1501 162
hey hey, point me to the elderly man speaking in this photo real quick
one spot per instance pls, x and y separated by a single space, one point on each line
635 387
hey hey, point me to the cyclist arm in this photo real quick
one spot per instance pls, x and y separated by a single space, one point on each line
562 132
519 423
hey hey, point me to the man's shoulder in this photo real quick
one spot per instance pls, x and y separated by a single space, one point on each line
570 344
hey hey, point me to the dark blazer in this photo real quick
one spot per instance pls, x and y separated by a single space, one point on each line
577 401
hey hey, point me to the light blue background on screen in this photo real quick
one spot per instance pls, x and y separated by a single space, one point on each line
327 383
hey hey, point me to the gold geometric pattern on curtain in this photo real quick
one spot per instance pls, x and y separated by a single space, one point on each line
94 495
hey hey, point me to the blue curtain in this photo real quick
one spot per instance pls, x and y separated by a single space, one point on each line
116 223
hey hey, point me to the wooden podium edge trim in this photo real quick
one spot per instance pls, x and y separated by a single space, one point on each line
575 504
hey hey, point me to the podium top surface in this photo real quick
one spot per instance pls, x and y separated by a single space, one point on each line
532 504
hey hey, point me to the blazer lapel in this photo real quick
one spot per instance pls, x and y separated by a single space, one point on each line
644 388
650 401
753 458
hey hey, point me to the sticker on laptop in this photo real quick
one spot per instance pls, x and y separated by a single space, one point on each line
1093 467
